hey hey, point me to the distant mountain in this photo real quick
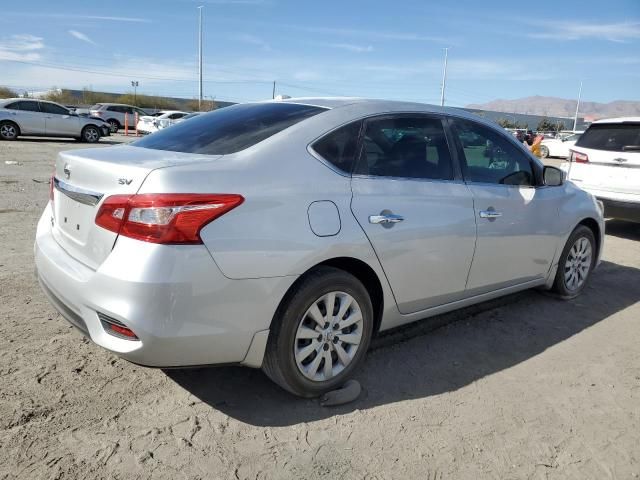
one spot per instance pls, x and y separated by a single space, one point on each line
561 107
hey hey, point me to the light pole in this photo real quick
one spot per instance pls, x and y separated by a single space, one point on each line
200 58
444 77
135 84
575 118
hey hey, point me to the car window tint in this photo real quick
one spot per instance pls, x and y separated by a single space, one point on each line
611 137
406 146
29 106
339 146
13 106
53 108
230 129
491 158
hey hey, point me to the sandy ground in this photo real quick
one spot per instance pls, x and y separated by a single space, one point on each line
524 387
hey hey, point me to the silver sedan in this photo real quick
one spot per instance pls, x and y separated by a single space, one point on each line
284 234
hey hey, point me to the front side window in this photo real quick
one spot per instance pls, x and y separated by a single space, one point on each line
53 108
405 146
339 148
229 130
491 158
611 137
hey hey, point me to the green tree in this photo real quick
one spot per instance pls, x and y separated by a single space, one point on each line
545 125
7 93
62 96
147 101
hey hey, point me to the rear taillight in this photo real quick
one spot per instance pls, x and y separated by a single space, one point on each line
172 218
578 157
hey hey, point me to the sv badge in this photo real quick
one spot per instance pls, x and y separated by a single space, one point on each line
125 181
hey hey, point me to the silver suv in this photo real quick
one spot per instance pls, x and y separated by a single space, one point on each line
115 113
31 117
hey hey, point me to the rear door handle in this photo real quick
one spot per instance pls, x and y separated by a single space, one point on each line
385 219
490 214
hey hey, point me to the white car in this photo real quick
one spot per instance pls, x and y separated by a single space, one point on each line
164 119
606 162
558 147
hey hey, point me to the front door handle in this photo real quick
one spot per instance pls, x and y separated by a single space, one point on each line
490 214
385 218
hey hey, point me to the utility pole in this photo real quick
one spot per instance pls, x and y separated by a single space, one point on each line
444 77
135 84
575 118
200 58
273 93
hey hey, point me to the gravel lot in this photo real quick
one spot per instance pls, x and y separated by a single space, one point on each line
524 387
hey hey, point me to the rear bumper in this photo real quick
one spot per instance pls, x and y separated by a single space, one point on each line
622 210
175 299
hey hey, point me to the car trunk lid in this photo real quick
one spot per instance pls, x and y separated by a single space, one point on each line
84 178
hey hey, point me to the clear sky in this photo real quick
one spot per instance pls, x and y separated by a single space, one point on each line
390 49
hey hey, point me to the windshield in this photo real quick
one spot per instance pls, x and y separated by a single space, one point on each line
230 129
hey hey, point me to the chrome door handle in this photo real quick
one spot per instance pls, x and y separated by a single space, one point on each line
385 219
490 214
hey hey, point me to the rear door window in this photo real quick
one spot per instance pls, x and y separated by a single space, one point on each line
230 129
24 105
611 137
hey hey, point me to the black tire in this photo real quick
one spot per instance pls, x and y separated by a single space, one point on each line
280 363
115 125
560 285
90 134
9 131
544 151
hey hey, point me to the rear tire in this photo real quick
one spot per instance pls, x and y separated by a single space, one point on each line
307 358
115 125
9 131
575 263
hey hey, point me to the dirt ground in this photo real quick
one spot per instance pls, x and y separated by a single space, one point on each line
524 387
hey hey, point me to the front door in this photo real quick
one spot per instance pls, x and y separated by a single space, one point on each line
59 121
516 220
416 213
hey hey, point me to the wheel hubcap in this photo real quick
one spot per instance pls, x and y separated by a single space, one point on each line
328 336
578 264
8 131
91 134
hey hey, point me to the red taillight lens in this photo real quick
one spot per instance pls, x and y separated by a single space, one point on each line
173 218
123 331
579 157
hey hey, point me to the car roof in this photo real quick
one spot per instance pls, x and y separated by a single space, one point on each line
375 106
618 120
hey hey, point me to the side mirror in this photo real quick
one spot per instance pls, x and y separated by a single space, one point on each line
553 177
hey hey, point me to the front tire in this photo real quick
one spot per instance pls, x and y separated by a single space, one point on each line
576 263
114 125
9 131
90 134
320 333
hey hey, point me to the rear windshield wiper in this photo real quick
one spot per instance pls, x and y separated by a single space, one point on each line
631 148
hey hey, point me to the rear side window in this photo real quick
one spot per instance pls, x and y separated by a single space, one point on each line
611 137
405 146
25 105
230 129
339 148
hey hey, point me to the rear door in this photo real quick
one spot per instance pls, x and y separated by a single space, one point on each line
517 223
606 159
28 116
415 210
59 121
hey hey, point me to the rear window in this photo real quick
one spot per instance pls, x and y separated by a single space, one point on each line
97 106
610 136
230 129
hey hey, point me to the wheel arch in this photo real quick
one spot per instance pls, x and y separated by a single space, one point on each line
7 120
359 269
593 225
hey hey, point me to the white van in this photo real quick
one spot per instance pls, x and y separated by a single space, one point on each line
605 161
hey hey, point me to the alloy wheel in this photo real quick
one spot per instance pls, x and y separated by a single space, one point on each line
8 131
578 264
328 336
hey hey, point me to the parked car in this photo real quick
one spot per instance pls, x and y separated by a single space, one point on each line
558 147
32 117
284 234
164 119
115 114
606 162
187 117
